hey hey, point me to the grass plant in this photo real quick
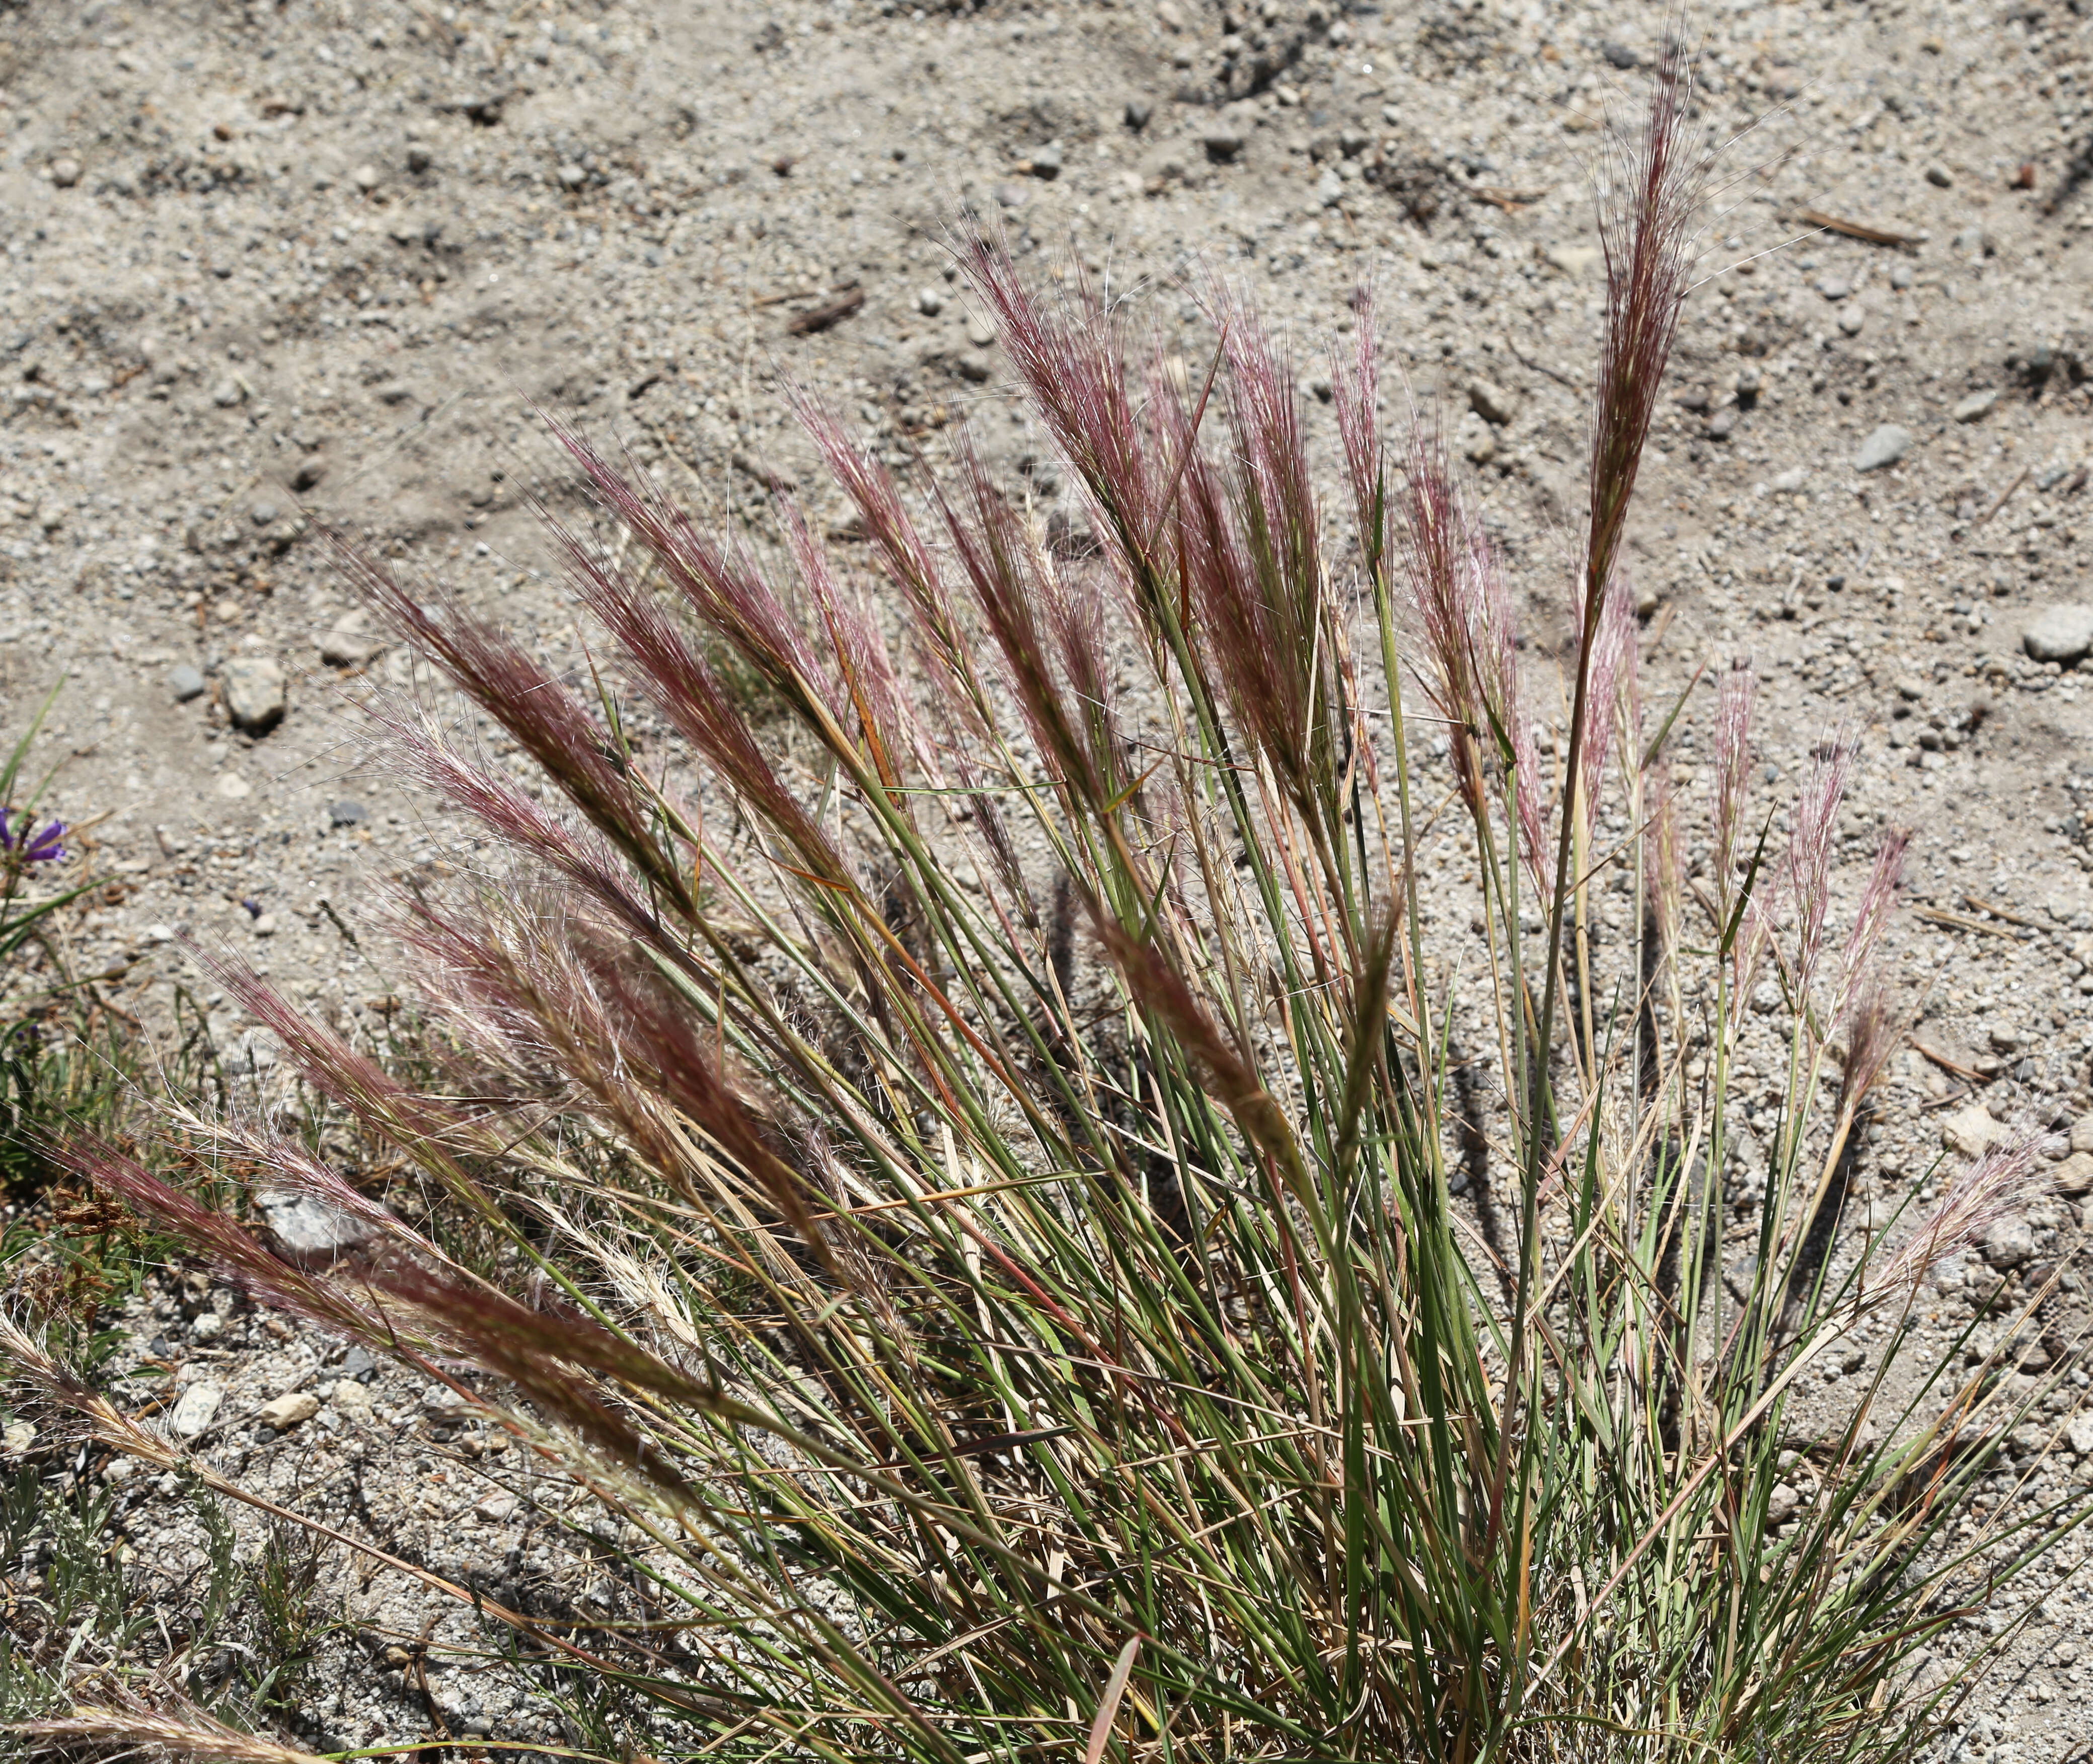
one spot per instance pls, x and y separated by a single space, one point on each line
981 1215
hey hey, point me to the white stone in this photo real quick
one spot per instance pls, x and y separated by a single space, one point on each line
195 1409
496 1508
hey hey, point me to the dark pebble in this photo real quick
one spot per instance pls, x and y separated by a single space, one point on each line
347 814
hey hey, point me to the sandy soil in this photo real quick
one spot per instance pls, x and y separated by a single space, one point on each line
276 267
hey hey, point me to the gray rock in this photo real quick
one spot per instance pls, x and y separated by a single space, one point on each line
1977 404
1138 110
2009 1242
305 1228
227 393
1970 1131
65 173
1722 425
1939 177
1574 260
1621 55
1224 142
195 1408
1329 188
366 178
1491 402
1010 195
186 683
263 512
1833 287
1973 242
347 644
571 177
1888 445
980 332
1046 160
2073 1176
1901 276
1851 320
2063 634
254 693
347 813
930 303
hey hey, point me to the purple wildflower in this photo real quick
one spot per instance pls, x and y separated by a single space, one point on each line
22 842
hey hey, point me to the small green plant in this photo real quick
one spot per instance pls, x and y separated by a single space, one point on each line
982 1220
282 1587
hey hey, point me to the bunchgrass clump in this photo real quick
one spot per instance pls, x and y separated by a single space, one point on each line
983 1216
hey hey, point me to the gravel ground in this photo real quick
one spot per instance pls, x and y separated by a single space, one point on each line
278 268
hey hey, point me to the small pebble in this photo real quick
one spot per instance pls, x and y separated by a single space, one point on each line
2009 1242
254 693
263 513
2074 1175
1939 177
186 683
1224 142
1885 447
929 301
1851 320
419 160
1046 160
1619 54
1833 287
265 925
208 1327
980 332
347 644
1971 1130
1722 425
571 177
365 178
347 814
2062 634
496 1508
1491 402
1010 195
65 173
194 1409
1977 406
1138 110
1793 478
287 1411
227 393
